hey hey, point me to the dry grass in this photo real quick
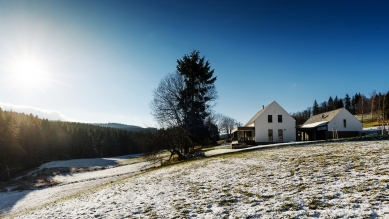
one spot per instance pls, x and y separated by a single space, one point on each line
338 179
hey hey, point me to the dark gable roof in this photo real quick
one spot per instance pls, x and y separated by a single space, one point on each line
323 117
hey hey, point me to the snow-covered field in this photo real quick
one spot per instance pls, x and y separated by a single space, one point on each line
72 183
323 180
93 162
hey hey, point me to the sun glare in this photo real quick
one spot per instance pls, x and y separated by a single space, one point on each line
28 74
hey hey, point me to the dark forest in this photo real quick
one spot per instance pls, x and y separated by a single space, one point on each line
27 141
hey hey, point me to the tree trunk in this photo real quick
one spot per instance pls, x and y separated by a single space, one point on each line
175 151
171 154
180 156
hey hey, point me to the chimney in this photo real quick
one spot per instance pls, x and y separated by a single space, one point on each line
263 106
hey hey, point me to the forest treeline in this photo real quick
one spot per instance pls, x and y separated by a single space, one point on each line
376 105
27 141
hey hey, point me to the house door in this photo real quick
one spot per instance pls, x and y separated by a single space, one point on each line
321 135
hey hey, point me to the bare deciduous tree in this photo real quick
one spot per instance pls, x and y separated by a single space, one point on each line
227 124
164 105
361 106
373 95
216 118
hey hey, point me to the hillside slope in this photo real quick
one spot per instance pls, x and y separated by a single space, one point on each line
325 180
123 126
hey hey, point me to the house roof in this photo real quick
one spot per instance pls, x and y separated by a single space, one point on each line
258 114
242 129
321 118
315 124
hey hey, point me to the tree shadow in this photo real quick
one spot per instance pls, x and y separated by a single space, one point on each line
41 178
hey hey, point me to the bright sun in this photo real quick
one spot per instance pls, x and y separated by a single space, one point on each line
28 74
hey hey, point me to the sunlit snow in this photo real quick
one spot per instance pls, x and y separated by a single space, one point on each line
322 180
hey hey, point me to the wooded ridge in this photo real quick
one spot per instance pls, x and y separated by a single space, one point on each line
27 141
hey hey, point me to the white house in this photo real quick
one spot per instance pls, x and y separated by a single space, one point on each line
272 124
339 123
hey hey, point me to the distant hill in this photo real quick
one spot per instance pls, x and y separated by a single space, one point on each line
122 126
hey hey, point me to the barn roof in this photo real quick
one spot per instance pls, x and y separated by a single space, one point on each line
322 118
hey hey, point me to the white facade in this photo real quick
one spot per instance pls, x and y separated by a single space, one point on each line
281 131
320 126
345 121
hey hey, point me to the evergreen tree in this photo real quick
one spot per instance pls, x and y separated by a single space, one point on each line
195 99
330 104
336 100
323 107
213 130
340 103
357 98
315 108
354 101
347 102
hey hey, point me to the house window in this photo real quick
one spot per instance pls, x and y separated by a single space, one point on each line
344 123
279 118
270 134
269 118
280 135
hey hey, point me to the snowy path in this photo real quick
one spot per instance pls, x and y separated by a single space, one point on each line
226 149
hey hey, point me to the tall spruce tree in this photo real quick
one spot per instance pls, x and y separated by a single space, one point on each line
357 98
315 108
347 102
199 92
338 103
330 104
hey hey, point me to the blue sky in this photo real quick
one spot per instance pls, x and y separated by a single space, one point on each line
99 61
